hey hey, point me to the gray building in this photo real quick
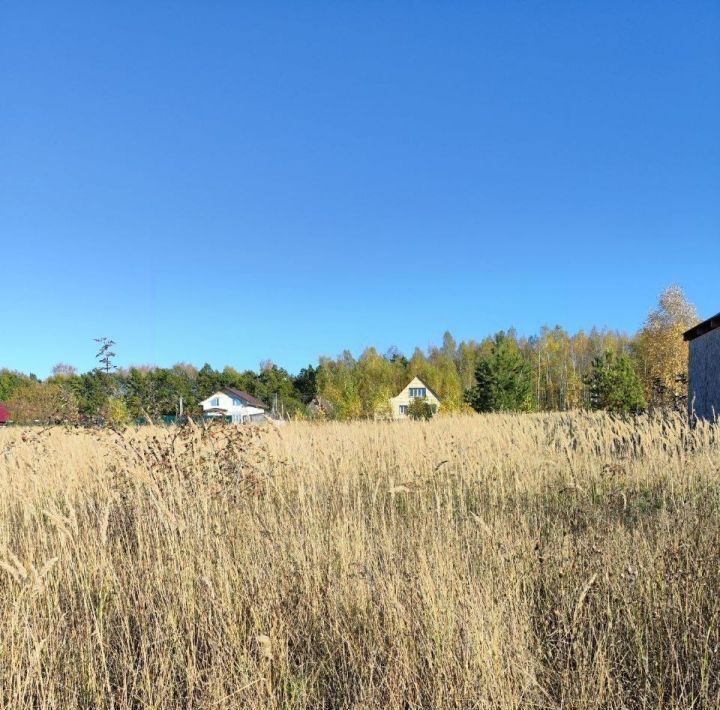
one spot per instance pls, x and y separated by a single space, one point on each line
704 369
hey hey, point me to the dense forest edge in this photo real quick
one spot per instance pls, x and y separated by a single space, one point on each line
551 371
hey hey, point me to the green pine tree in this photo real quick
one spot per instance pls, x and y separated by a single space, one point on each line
503 379
614 385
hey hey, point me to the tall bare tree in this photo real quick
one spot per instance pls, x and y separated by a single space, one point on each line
62 369
105 354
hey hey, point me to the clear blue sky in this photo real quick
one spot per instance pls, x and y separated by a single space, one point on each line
232 181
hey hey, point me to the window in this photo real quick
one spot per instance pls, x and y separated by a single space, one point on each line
403 409
237 402
215 402
419 392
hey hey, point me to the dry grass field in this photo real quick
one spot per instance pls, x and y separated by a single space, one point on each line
531 561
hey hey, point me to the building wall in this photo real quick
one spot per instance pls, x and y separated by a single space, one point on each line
404 398
238 413
704 376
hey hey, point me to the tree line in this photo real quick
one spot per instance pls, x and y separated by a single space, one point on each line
553 370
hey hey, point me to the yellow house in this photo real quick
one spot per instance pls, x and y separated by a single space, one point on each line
415 389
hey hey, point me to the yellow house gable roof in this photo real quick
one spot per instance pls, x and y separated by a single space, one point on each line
417 382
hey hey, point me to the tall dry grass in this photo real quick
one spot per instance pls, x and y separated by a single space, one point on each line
492 561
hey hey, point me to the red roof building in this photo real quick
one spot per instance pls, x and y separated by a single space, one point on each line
4 414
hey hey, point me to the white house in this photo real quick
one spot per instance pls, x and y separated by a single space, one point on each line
240 406
415 389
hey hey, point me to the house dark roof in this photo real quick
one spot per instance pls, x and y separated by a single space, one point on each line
701 328
4 414
252 401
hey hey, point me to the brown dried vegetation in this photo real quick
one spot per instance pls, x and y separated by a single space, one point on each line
490 561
